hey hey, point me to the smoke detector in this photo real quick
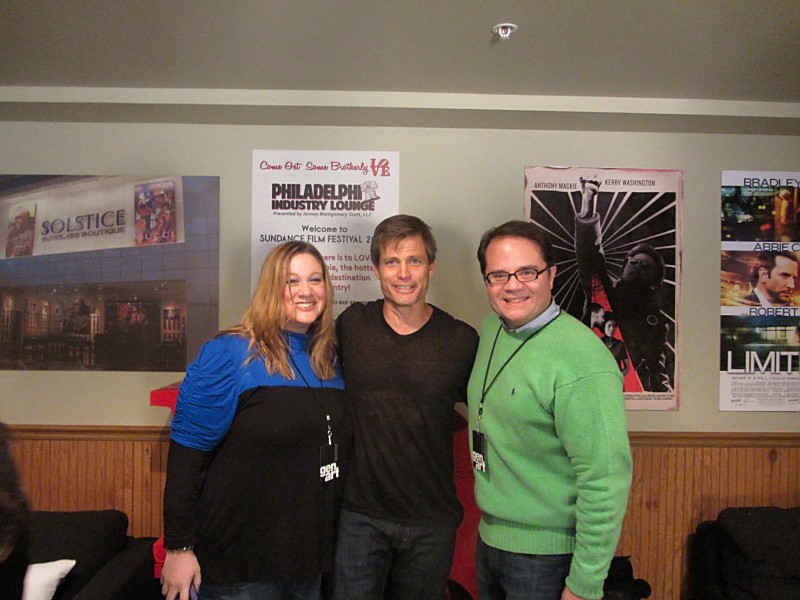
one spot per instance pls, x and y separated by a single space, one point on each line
504 30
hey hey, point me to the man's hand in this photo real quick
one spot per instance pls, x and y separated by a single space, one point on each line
180 571
462 409
591 185
589 189
568 595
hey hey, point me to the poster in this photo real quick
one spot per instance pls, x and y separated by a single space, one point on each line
101 273
616 238
61 214
332 199
759 300
156 205
21 230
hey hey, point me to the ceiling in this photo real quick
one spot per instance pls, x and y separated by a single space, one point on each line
704 50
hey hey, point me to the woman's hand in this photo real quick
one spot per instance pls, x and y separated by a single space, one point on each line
180 572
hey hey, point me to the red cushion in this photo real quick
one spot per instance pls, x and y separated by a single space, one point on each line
159 554
463 569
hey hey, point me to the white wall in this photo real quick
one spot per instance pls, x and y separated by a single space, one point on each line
461 181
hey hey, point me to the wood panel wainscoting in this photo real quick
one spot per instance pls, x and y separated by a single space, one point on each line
88 468
679 479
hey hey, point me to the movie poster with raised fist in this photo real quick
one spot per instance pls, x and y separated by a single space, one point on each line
617 247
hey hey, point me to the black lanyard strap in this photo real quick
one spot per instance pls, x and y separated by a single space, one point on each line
316 399
486 388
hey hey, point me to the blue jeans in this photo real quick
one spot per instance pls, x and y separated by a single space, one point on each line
306 589
410 562
506 575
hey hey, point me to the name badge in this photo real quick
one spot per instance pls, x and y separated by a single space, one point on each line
479 451
328 455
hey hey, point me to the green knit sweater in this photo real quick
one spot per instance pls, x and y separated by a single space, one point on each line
557 451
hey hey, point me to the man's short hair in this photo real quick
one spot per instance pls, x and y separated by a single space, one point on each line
645 248
521 229
766 260
397 228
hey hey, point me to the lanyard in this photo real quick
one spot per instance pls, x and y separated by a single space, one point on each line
318 401
486 388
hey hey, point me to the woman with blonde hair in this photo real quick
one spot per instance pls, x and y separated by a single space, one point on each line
259 442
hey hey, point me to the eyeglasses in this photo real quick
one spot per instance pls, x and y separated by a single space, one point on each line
522 275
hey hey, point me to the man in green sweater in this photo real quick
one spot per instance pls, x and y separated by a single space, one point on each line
549 433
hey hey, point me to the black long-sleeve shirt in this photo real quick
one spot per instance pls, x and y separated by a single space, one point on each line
401 390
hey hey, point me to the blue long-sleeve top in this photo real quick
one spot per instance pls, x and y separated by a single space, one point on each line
209 394
244 477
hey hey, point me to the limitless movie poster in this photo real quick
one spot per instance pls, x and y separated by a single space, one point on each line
759 301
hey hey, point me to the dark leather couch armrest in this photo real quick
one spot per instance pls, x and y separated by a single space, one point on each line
127 576
705 578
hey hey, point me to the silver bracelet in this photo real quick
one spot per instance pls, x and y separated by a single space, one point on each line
179 550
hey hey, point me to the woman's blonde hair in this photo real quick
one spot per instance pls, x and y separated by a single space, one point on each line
265 319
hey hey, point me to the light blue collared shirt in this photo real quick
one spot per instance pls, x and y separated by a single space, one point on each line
550 313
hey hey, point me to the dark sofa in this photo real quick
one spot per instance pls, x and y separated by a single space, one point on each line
749 553
110 564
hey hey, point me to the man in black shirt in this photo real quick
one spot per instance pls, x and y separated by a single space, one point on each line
406 363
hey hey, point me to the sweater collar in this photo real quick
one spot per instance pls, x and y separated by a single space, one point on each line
297 342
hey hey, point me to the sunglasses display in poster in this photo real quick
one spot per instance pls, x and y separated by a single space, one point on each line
331 199
759 300
616 240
